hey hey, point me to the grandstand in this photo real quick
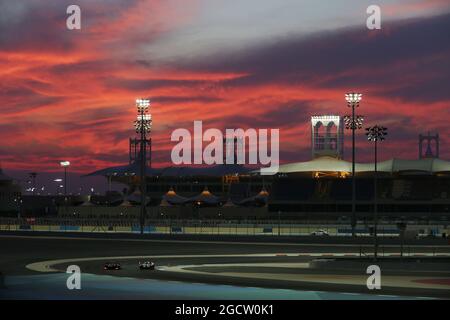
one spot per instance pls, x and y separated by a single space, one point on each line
319 189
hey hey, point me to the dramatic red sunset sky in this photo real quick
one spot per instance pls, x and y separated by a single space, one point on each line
233 64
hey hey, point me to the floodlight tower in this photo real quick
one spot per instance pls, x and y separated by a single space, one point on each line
65 165
353 123
143 125
430 152
375 134
327 136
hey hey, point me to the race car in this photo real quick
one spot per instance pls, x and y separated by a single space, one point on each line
147 265
112 266
320 232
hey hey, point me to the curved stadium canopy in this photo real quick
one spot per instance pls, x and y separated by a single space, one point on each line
322 164
134 169
328 164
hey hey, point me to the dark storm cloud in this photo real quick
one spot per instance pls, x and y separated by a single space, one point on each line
40 25
286 114
33 25
423 90
139 85
349 58
16 99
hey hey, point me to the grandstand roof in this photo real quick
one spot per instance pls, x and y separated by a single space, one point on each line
322 164
328 164
134 169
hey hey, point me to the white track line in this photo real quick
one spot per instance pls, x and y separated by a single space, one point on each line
46 266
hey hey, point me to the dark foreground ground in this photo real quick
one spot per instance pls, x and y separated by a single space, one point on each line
229 277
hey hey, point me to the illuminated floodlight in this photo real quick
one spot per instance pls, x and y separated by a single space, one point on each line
142 105
58 180
376 133
143 123
353 124
353 98
145 117
64 163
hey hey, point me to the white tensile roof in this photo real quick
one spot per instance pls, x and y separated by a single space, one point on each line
328 164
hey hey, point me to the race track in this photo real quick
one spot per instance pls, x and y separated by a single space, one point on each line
34 267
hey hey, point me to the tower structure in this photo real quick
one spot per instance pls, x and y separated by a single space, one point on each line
327 136
135 151
143 125
431 149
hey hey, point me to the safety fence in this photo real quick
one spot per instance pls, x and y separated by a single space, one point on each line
216 227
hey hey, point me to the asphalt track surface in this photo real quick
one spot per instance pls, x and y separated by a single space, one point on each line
189 270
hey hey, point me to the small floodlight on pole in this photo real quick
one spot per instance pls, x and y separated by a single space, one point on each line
57 181
33 176
353 123
375 134
143 125
65 165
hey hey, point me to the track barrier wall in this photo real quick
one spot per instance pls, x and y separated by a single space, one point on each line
216 227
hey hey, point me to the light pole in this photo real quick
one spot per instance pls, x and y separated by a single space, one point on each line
375 134
65 165
58 185
19 206
143 125
279 223
33 176
353 123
